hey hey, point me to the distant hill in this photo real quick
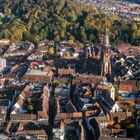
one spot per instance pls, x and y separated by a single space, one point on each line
137 1
58 20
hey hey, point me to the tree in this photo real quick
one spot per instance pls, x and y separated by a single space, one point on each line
134 26
71 16
62 34
7 34
7 11
67 55
27 36
60 19
119 98
57 38
132 104
51 51
29 100
117 126
30 108
43 34
83 37
37 39
92 38
71 39
25 18
45 57
116 92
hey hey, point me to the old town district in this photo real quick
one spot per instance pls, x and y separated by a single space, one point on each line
53 91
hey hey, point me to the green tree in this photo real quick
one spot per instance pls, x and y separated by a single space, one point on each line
67 55
119 98
7 11
30 108
36 39
132 104
71 40
29 100
117 126
92 38
57 38
59 19
83 37
51 51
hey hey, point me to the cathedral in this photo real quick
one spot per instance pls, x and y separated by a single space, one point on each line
97 58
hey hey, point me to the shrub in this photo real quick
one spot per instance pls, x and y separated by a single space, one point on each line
51 51
67 55
117 126
119 98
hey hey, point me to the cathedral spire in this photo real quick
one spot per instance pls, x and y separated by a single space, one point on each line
106 39
106 65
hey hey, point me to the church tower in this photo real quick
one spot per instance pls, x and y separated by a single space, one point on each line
106 64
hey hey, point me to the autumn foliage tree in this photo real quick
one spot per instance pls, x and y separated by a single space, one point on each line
59 20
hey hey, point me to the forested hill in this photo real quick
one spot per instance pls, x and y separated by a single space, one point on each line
35 20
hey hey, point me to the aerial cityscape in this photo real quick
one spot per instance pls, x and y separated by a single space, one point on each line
69 70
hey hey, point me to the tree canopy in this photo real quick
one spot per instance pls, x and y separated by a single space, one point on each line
58 20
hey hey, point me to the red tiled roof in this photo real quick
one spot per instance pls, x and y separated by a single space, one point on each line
23 95
42 115
34 64
127 49
89 79
22 117
34 78
129 86
66 71
46 69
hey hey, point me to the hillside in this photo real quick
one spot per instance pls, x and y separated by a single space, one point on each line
137 1
35 20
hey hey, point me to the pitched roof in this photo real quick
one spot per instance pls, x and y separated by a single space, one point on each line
89 79
34 63
104 87
66 71
70 107
36 78
129 85
23 117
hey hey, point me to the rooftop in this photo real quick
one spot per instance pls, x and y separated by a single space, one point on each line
37 72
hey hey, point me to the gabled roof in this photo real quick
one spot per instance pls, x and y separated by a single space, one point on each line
23 117
129 85
66 71
89 79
